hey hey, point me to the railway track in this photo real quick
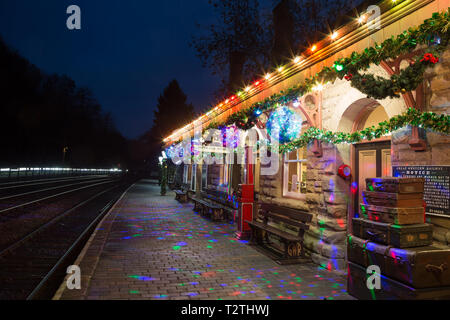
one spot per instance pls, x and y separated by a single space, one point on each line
33 264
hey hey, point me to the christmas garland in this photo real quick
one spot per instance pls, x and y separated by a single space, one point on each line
412 117
433 32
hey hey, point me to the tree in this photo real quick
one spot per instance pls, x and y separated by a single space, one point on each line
245 42
238 43
172 112
49 121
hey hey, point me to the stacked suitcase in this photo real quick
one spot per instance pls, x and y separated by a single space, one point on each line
391 234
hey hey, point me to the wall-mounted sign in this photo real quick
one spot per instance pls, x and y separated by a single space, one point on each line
437 186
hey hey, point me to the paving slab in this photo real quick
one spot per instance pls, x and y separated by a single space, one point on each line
153 247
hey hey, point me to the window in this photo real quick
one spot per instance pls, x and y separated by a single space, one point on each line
194 177
294 182
204 176
187 174
226 173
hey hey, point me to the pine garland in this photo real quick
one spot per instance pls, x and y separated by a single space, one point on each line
412 117
350 68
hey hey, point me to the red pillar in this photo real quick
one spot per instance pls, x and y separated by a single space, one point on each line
246 197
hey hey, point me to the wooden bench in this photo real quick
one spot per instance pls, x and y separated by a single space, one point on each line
223 200
207 208
181 194
292 250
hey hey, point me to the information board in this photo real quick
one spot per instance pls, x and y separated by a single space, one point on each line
437 186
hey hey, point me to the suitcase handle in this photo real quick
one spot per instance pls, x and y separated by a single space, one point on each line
436 269
375 233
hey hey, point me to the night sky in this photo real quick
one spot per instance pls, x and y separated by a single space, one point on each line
126 52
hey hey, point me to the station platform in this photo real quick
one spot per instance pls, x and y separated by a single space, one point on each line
152 247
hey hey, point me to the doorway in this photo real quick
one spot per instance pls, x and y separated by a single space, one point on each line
372 160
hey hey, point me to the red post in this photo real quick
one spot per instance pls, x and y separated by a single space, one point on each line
246 198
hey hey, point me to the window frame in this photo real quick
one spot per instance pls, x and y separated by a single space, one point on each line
286 192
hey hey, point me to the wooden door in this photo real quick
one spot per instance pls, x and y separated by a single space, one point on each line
372 160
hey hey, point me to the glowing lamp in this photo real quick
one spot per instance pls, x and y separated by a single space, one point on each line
313 48
297 59
344 171
334 35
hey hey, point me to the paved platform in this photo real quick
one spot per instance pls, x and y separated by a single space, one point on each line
152 247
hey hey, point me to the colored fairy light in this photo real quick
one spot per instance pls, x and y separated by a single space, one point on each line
280 69
318 87
313 48
296 104
247 89
285 123
338 67
334 35
257 112
230 136
297 59
256 83
267 76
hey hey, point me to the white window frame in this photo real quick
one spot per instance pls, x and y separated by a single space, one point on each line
286 192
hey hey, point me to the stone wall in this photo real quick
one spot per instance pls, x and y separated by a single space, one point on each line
437 96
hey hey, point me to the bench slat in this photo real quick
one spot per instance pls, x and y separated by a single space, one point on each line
275 231
293 213
287 220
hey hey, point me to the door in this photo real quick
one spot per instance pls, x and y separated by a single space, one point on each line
372 160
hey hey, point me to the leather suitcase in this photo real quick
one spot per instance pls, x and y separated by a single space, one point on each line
420 267
395 185
407 236
393 215
390 289
395 200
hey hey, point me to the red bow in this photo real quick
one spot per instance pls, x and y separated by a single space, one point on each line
429 57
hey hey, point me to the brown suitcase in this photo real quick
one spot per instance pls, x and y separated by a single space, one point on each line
393 215
395 185
420 267
395 200
407 236
390 289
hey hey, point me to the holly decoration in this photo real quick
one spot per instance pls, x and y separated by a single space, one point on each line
412 117
435 28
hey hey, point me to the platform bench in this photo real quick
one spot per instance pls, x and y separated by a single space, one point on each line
181 194
207 208
292 244
221 199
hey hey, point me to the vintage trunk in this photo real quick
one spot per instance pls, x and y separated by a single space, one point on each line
395 185
390 289
393 215
397 200
413 235
421 267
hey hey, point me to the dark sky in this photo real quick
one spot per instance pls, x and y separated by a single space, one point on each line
127 50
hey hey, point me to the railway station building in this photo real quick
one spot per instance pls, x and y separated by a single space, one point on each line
369 100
